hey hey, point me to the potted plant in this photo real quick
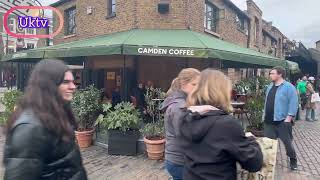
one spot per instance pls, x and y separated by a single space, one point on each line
154 135
9 100
122 124
86 105
255 109
154 139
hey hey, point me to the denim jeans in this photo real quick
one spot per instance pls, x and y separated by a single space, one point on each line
175 170
310 114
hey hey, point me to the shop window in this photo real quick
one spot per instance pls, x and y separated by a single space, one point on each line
111 8
70 21
30 46
12 25
211 17
31 31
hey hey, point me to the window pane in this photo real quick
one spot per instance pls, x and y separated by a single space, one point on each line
71 21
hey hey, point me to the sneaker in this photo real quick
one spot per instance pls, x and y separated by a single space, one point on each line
293 164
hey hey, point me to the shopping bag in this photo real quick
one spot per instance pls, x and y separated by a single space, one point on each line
315 97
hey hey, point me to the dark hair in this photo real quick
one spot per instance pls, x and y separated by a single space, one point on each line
44 100
280 70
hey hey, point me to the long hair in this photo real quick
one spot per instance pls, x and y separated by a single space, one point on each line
214 88
44 100
184 77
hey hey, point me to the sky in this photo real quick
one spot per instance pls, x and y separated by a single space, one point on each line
298 19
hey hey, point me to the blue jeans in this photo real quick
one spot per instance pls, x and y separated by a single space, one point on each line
310 114
174 170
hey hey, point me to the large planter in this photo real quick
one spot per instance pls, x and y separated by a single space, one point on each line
84 138
256 132
122 143
155 148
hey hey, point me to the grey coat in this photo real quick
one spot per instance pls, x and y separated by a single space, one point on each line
174 106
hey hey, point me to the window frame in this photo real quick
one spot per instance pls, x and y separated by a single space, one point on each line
213 18
67 21
241 22
111 8
12 25
29 44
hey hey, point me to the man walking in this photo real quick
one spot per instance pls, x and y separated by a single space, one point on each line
280 108
302 89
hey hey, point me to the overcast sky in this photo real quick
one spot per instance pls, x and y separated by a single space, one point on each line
298 19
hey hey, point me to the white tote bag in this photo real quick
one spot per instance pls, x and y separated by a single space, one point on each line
315 97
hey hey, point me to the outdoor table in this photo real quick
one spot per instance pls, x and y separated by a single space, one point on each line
239 110
238 104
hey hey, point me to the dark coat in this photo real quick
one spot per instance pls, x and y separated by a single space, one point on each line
213 143
33 153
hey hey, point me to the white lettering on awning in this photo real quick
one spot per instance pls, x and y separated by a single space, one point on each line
161 51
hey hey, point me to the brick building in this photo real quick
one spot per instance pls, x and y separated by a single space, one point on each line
207 22
227 21
10 44
223 20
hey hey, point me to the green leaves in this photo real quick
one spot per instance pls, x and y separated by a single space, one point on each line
255 107
9 101
123 117
152 130
86 104
156 128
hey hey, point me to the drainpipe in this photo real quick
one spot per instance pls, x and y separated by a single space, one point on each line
249 34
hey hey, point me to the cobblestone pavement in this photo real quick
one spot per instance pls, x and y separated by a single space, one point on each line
101 166
307 145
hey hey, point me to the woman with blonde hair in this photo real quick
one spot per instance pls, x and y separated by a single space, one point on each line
174 105
214 141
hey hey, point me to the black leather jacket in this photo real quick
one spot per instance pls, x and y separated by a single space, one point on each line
33 153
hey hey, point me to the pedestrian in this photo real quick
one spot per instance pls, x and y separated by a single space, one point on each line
139 95
302 89
173 105
115 97
40 140
310 106
280 109
213 140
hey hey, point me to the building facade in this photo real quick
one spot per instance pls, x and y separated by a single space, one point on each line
219 18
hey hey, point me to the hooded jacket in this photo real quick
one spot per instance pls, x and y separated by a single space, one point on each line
33 153
174 106
213 143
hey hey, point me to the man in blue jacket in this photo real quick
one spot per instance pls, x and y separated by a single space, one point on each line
280 108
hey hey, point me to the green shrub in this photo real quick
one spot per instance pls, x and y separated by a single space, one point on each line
86 105
123 117
153 130
9 101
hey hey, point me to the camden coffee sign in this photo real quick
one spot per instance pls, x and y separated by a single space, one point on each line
179 52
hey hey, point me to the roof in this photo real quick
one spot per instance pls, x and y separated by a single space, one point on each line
173 43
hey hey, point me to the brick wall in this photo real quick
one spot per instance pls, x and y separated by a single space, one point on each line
256 20
227 26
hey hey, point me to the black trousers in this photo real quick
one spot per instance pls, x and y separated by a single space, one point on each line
283 131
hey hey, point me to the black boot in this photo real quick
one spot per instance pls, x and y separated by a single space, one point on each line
293 164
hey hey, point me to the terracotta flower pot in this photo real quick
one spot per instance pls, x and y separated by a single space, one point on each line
84 138
155 148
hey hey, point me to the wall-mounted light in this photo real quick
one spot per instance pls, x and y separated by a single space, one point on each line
89 10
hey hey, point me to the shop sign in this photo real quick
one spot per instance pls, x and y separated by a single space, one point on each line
180 52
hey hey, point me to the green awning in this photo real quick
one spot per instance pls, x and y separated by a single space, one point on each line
293 67
173 43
